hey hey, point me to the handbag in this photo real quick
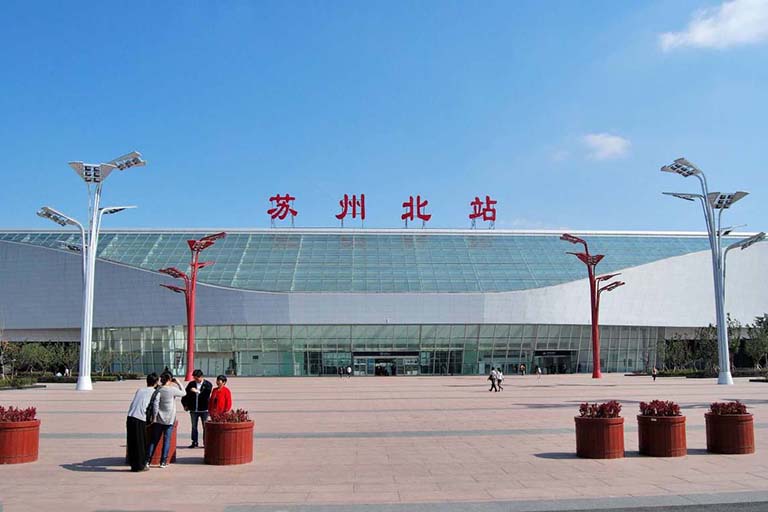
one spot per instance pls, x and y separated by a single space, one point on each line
151 412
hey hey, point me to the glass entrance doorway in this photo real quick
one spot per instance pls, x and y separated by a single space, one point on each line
385 364
553 361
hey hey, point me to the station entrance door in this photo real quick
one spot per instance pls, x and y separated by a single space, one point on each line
385 364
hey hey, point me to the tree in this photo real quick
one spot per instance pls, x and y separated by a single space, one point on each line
103 360
9 351
65 354
756 345
734 339
705 347
677 353
34 356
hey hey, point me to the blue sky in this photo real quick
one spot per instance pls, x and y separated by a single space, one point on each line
563 111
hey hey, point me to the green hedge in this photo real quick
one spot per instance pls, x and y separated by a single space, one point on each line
94 378
17 382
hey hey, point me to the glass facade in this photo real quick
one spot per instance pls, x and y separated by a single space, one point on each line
378 262
428 349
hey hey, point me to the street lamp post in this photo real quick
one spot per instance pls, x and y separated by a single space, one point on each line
595 290
93 175
711 201
190 285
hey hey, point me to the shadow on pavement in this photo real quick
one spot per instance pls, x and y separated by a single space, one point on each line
189 460
628 454
101 465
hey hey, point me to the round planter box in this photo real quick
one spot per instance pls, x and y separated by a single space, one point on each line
599 438
661 436
19 441
730 433
228 443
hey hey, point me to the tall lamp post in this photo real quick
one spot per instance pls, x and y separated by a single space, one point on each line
93 175
595 290
190 284
711 201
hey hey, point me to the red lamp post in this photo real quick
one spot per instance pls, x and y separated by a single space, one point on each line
591 261
190 284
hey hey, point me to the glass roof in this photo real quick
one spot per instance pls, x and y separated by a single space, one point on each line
304 261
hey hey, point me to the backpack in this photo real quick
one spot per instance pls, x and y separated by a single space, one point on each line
151 411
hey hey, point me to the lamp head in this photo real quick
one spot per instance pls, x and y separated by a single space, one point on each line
612 286
109 210
760 237
214 237
682 167
607 277
173 272
723 201
572 239
173 288
684 195
92 173
132 159
56 216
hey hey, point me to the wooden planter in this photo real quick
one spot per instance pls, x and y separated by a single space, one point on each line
159 448
19 441
599 438
228 443
661 436
730 433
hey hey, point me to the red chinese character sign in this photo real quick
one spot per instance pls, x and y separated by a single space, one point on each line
282 207
485 210
415 209
353 207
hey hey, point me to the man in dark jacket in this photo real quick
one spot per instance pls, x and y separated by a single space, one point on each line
196 402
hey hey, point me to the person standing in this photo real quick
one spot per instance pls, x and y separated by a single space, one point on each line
221 397
538 373
165 417
136 425
349 372
196 402
499 380
654 373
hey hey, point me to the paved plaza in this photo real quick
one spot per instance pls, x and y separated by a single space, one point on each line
389 444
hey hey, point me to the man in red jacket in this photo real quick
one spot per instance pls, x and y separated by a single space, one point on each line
221 398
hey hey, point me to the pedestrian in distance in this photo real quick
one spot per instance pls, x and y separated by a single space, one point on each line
654 373
221 397
136 425
499 380
538 373
195 401
164 409
492 377
349 372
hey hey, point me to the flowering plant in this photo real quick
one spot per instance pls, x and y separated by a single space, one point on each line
14 414
659 408
606 410
238 416
726 408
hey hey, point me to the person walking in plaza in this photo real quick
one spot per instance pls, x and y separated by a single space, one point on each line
136 425
165 416
492 377
499 379
538 373
654 373
221 397
196 402
349 372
